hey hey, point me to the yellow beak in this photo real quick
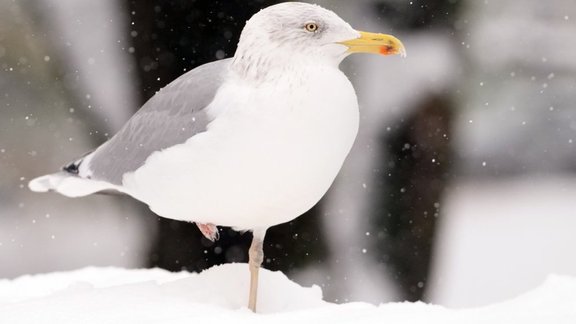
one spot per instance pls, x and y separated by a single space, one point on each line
375 43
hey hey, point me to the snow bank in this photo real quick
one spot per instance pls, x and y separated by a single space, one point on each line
109 295
501 237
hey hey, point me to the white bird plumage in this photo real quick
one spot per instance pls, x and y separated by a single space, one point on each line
268 156
277 130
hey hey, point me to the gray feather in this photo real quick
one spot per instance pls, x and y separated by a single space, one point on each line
170 117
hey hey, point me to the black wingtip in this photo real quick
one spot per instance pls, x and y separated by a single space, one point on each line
72 168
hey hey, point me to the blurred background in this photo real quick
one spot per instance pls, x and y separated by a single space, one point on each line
460 189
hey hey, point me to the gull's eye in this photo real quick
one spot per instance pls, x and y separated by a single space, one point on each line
311 27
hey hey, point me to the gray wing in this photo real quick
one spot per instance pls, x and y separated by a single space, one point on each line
170 117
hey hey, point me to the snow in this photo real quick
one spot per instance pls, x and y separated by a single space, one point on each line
499 238
114 295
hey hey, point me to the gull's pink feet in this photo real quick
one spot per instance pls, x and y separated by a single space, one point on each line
210 231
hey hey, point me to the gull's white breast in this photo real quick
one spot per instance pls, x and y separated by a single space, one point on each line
270 154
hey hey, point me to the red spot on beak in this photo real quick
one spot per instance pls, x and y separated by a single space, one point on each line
386 50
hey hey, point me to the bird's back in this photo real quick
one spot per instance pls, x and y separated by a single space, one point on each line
170 117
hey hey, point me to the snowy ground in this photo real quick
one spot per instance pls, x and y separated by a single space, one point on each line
500 238
112 295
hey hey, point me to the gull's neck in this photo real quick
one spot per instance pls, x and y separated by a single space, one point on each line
274 63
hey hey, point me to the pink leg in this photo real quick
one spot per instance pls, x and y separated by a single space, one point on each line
255 258
210 231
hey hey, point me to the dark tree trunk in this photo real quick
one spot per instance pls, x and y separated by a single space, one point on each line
170 38
417 171
416 164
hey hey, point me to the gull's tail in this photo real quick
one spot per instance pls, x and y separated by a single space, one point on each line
70 182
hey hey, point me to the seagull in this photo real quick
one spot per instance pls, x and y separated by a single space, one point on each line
247 142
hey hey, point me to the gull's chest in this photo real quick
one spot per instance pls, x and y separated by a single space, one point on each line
300 109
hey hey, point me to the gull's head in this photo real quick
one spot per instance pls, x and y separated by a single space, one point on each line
293 32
